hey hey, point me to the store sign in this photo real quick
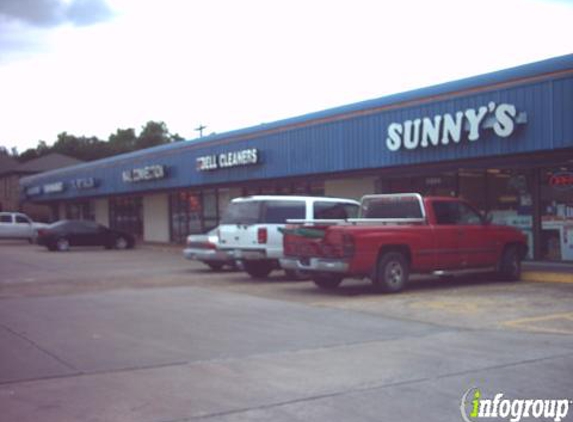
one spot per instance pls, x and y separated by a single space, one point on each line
54 187
84 183
445 129
241 158
562 180
34 190
144 174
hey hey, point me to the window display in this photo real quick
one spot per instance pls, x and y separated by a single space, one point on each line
126 214
196 212
509 201
80 211
557 214
186 215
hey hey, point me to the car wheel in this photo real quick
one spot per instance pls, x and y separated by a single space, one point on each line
392 272
121 243
51 247
215 266
327 281
510 264
31 240
63 244
258 269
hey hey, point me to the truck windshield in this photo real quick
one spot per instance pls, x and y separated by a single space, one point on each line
247 212
392 207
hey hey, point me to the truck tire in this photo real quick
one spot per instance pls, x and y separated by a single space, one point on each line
509 268
327 281
258 269
392 272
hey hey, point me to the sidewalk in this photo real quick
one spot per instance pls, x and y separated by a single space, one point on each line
551 272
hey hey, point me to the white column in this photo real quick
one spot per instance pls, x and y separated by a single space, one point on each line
156 218
101 211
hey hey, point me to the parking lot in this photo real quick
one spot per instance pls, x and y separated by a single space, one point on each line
144 335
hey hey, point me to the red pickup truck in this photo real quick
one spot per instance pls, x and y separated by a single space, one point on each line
400 234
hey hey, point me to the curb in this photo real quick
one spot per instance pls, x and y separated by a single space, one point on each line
546 277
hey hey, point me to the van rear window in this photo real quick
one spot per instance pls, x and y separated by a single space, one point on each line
248 212
263 212
278 212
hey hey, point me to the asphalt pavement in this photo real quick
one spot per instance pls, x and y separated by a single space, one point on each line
144 335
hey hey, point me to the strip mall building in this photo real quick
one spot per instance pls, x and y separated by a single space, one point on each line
504 141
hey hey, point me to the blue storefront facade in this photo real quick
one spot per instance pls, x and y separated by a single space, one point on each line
503 140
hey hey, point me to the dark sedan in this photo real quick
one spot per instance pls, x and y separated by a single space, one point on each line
65 233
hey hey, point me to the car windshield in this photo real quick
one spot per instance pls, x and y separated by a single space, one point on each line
243 212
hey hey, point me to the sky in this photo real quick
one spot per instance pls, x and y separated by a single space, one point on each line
89 67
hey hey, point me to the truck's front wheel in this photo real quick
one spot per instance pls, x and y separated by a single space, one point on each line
392 272
509 268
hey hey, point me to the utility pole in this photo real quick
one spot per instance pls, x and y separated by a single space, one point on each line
200 129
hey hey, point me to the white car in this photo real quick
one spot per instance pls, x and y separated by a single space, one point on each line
15 225
203 248
250 226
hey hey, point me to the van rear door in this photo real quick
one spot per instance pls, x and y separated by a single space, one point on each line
254 224
237 228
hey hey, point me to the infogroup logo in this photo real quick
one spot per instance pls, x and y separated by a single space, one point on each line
475 407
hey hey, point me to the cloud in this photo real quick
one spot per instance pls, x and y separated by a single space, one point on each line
52 13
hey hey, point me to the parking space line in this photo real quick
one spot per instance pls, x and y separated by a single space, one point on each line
547 277
532 323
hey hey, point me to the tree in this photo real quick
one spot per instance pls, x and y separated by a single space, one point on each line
153 134
123 140
31 153
91 148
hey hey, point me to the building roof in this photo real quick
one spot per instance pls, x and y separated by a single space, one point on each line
7 164
47 162
554 68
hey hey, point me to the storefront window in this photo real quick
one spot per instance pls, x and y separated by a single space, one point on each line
439 184
473 188
509 201
193 212
557 214
126 213
312 188
210 217
186 215
80 211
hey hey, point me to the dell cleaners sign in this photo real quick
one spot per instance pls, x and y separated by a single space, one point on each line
447 129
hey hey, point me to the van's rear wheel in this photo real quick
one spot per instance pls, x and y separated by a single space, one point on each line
327 281
392 272
258 269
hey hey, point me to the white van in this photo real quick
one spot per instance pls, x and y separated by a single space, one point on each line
250 226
